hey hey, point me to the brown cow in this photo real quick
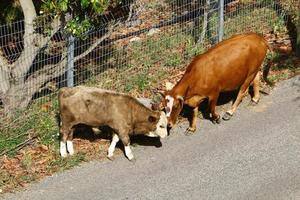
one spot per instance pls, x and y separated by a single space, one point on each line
231 64
96 107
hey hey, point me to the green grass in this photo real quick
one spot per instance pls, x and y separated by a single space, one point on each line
63 164
170 50
26 124
276 77
259 20
139 82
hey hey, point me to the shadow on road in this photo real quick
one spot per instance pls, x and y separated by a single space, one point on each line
86 132
296 83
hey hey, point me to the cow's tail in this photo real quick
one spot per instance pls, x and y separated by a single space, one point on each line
267 65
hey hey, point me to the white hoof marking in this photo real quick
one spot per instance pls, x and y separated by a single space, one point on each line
63 149
112 146
128 153
70 147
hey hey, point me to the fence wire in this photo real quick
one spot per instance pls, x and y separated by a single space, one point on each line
135 47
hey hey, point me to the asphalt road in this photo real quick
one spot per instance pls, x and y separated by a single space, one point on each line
255 155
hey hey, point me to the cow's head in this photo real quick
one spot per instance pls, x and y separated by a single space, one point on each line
161 127
172 106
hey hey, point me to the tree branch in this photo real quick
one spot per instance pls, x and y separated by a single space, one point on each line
55 26
29 16
34 43
205 22
130 12
48 72
95 44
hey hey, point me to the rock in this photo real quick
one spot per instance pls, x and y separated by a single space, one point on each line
134 23
135 39
153 31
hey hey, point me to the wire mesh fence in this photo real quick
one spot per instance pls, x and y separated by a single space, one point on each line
137 47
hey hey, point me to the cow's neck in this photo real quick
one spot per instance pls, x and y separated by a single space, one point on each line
181 88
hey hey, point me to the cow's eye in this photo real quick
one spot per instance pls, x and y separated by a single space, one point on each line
161 126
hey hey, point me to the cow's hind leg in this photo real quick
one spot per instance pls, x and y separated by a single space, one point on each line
64 133
256 94
243 90
212 101
70 147
112 147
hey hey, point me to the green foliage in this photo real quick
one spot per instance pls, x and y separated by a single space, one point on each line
63 6
77 26
10 11
85 13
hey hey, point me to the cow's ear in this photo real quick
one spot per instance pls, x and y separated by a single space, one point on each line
181 100
157 106
152 119
162 93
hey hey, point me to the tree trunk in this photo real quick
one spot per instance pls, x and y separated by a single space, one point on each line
205 21
14 91
17 87
15 98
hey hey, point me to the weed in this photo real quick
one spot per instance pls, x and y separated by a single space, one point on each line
28 178
139 82
279 76
258 20
61 164
27 162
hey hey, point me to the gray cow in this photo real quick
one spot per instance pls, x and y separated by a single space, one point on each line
97 107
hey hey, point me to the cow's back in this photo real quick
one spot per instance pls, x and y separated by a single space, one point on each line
96 107
227 65
92 106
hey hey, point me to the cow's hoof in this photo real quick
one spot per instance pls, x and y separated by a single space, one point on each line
111 158
217 121
253 102
63 155
133 159
227 116
190 131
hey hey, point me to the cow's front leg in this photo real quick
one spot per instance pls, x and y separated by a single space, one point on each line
126 142
193 121
112 147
